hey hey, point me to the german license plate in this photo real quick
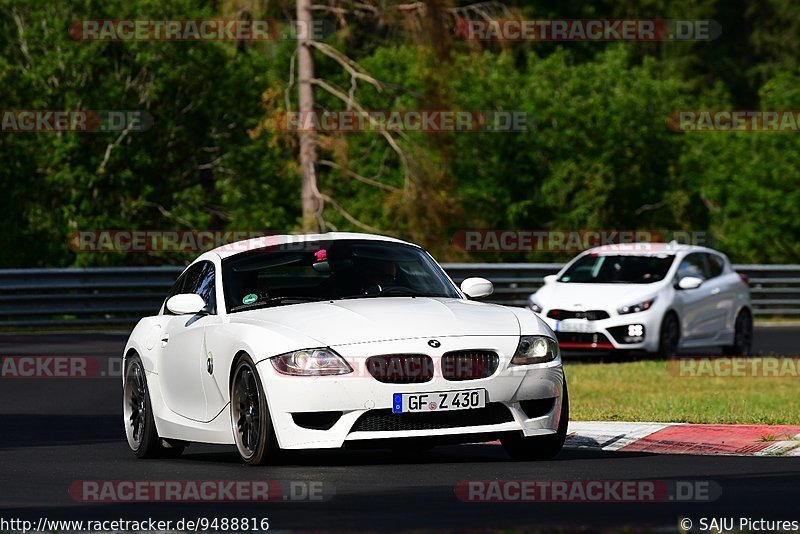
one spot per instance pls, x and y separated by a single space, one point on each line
578 325
439 401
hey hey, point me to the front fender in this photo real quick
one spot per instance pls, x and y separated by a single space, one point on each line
531 324
226 340
145 339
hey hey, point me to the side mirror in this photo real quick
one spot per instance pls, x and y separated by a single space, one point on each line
550 278
477 287
186 303
690 282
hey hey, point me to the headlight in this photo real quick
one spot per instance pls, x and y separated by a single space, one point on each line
311 362
535 349
634 308
534 305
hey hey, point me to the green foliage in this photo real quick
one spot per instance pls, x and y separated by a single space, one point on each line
597 155
194 168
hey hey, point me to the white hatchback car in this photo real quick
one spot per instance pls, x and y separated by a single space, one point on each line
656 297
318 341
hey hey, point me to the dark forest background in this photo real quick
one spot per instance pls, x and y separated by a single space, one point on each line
598 157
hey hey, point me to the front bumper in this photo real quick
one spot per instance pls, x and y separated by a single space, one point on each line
362 405
614 333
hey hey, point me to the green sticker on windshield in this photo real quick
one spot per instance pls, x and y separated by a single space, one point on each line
249 298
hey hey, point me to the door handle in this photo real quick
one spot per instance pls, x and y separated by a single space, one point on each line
164 340
715 291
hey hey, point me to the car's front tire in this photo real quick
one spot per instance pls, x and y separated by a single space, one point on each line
742 337
520 447
140 426
669 337
252 425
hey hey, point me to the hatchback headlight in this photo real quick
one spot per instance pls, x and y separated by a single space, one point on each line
635 308
535 349
311 362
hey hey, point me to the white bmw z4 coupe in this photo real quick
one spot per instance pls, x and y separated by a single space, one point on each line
323 341
657 297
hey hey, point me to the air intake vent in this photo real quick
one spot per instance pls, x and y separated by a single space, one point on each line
384 420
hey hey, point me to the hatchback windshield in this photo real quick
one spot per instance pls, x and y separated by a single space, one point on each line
618 269
330 270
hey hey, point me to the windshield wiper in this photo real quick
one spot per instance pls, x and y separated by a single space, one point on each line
276 301
394 292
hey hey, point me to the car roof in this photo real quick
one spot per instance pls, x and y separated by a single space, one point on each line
642 248
237 247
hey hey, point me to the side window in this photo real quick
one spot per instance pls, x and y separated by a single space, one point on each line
200 280
693 265
206 287
716 264
177 289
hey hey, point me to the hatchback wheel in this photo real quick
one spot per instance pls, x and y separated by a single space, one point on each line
742 337
669 338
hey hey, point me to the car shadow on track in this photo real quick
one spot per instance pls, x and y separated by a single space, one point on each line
449 454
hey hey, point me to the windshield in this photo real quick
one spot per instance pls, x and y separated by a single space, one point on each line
330 270
618 269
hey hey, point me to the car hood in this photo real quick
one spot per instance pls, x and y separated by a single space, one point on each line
344 322
574 296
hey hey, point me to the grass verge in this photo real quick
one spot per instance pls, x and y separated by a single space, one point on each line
648 391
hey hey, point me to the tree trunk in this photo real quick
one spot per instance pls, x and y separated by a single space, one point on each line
308 138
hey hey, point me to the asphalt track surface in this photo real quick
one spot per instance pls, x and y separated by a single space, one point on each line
54 432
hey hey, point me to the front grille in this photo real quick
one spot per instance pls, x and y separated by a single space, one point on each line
569 340
401 368
590 315
384 420
469 364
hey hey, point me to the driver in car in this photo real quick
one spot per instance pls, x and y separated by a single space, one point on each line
379 274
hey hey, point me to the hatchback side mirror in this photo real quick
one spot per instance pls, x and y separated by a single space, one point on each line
477 287
690 282
186 303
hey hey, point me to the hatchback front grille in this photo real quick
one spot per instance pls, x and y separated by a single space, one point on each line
469 364
401 368
580 340
384 420
590 315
